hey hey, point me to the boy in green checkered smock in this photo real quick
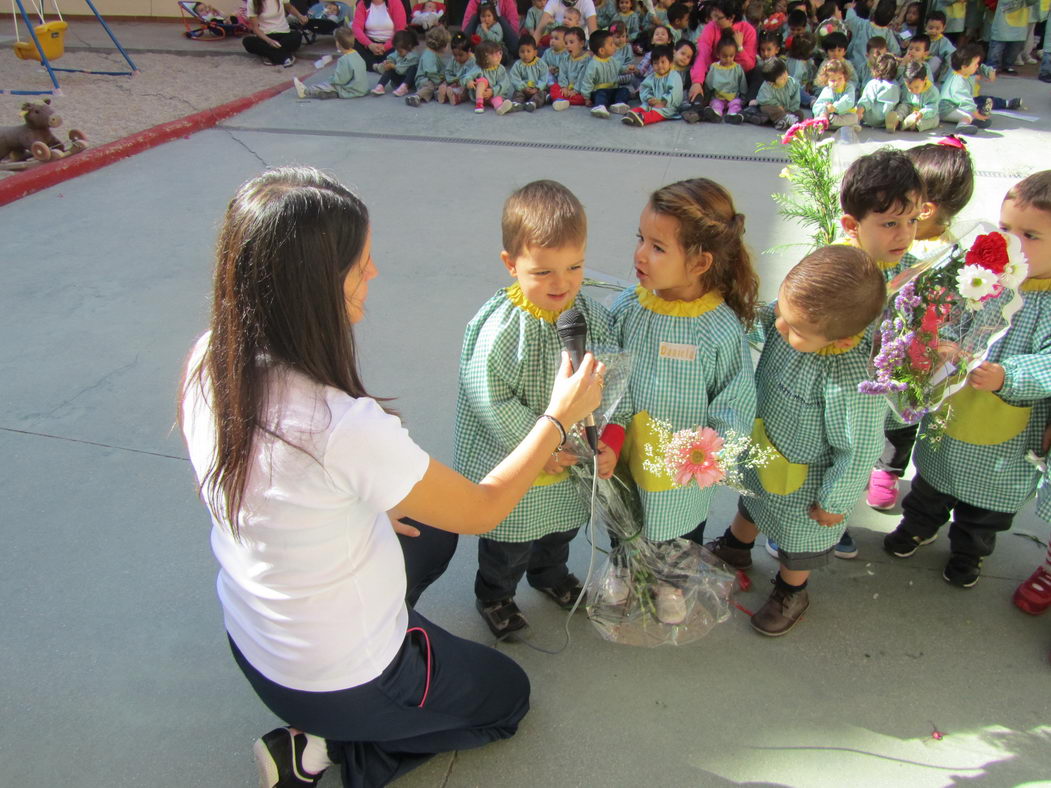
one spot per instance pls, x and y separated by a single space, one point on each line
510 356
823 434
691 366
977 471
947 174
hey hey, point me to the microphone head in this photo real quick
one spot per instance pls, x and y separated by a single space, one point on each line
571 323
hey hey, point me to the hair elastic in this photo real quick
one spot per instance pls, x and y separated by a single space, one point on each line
952 141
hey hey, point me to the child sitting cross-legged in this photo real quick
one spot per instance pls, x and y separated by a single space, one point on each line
489 83
510 356
566 90
835 102
725 85
399 69
919 101
878 105
661 91
350 79
778 97
603 82
823 433
528 76
460 64
430 73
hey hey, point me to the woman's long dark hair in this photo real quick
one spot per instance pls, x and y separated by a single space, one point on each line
289 238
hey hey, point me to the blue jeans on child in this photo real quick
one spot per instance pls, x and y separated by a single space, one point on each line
1002 54
607 97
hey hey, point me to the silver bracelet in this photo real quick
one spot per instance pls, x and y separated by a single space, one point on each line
558 426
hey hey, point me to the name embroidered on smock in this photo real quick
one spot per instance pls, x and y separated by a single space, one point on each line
678 352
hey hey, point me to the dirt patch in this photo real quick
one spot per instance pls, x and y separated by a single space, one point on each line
167 87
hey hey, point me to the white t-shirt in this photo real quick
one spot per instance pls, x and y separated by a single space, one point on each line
558 11
272 18
378 24
313 595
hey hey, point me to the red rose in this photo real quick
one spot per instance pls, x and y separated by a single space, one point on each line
990 252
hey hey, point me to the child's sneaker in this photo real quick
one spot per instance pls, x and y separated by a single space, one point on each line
772 548
670 604
983 124
502 617
883 490
560 104
965 128
279 758
738 558
987 106
633 119
691 116
781 611
289 62
565 592
479 109
529 106
845 548
413 100
759 119
443 93
734 118
1015 103
962 571
709 115
1034 595
402 89
301 89
505 107
620 108
379 90
901 544
600 111
891 121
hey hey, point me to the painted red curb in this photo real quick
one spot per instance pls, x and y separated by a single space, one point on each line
49 174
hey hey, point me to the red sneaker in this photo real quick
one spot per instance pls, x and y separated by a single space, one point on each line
883 490
1034 595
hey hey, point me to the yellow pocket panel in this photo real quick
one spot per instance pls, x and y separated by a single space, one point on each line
779 476
643 431
983 419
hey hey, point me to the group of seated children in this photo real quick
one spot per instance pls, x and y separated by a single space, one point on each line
866 75
686 324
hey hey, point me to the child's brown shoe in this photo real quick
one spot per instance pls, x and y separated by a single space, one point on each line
781 611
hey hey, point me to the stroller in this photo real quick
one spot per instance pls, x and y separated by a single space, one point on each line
206 23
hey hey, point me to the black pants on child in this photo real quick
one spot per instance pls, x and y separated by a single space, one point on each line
395 79
897 449
501 565
440 693
289 42
973 531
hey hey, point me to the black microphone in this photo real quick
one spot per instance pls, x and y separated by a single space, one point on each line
572 329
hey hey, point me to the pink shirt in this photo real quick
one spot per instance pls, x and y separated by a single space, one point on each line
507 9
706 50
361 13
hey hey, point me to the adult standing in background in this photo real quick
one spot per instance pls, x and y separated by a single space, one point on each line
308 478
555 10
272 39
724 15
375 23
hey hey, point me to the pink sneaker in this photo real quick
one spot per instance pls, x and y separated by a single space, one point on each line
883 490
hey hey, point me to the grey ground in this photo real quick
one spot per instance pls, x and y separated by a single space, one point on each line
116 671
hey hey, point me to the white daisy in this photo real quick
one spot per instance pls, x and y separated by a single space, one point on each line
975 282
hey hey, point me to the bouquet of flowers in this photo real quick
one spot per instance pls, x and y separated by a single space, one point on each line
814 199
774 23
943 316
701 456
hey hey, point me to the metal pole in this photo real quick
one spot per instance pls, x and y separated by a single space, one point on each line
113 38
43 58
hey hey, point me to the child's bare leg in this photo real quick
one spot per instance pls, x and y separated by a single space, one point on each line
794 577
743 529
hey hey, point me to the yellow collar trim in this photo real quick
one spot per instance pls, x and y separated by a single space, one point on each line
695 308
834 350
1036 285
601 59
532 62
724 68
517 297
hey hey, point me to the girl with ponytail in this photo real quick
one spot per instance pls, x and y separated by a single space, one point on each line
685 324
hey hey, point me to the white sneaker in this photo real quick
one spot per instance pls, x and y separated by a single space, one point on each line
505 107
670 604
289 62
301 89
600 111
615 587
560 104
620 108
478 110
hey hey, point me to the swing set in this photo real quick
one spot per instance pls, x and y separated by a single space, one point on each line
47 43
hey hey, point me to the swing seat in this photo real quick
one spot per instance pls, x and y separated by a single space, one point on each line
52 36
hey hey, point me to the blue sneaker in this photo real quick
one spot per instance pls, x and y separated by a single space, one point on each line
771 547
846 547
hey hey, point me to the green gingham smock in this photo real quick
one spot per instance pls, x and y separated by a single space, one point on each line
691 368
980 458
510 357
813 414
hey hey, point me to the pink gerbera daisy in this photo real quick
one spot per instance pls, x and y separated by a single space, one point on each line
694 455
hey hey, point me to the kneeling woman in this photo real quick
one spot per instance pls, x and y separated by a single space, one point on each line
306 477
